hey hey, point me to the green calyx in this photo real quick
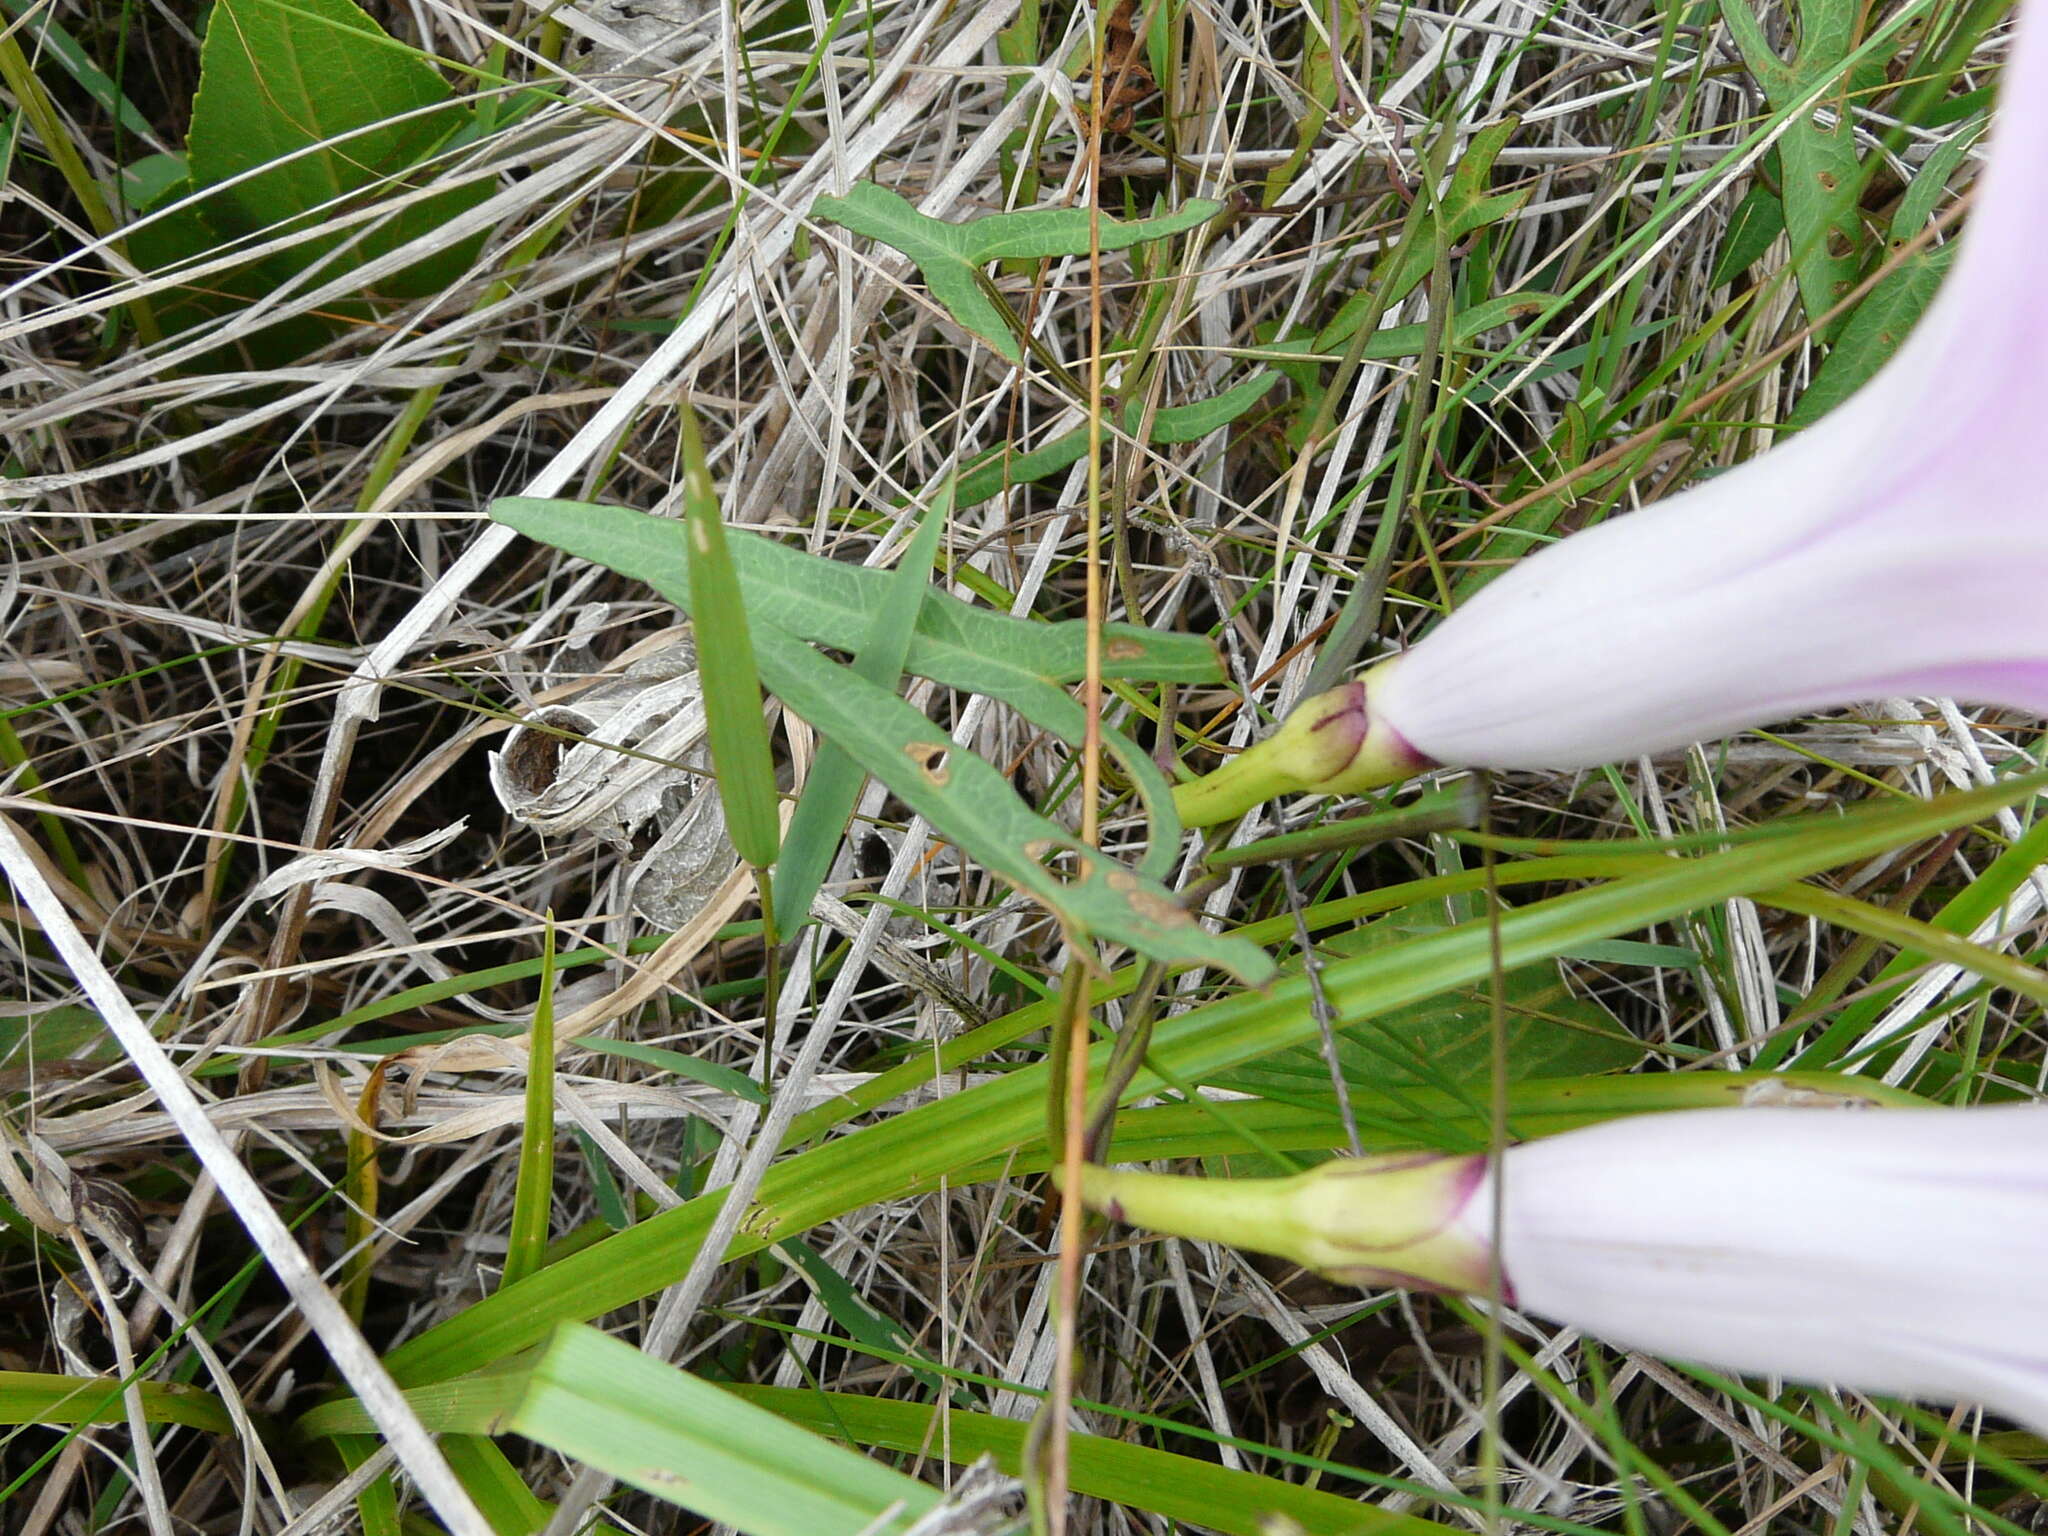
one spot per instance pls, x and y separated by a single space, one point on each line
1330 744
1398 1219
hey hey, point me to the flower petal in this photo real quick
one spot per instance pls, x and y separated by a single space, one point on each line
1897 1251
1898 547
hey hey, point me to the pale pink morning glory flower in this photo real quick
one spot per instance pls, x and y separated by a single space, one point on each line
1898 547
1901 1251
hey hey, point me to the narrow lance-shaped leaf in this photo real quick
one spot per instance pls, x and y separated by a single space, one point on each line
1173 424
835 782
1464 208
971 802
733 726
835 603
533 1188
1018 661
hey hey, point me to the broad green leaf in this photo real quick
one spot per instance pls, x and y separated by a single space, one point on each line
603 1403
822 811
951 255
733 727
1758 220
1445 1042
152 179
181 232
912 1152
1174 424
314 98
834 603
313 104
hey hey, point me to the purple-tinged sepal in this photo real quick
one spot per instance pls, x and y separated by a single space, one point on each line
1403 1219
1333 744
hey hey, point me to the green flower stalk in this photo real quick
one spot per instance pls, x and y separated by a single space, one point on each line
1389 1220
1332 744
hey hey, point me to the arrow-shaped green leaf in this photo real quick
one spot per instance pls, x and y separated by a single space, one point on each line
951 255
964 797
956 643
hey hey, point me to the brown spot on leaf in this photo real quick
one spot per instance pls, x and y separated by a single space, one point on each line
1147 903
1158 910
930 758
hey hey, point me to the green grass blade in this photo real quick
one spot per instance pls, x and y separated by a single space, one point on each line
733 724
36 1397
1969 909
500 1492
1396 1122
533 1189
52 41
605 1404
913 1151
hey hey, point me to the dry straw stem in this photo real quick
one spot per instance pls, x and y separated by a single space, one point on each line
344 1342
